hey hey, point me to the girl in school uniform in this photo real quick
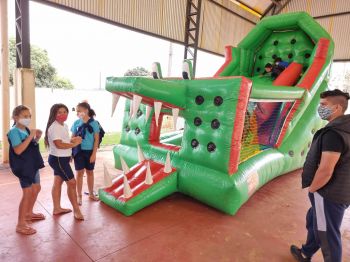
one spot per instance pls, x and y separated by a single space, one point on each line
25 162
60 148
85 154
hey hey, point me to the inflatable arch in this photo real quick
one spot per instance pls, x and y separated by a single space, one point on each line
241 129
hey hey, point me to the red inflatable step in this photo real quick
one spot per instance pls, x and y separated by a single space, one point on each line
136 179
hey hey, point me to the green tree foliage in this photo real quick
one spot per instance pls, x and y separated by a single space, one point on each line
137 71
62 83
45 72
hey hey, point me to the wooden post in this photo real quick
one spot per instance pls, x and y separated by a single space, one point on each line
5 79
24 84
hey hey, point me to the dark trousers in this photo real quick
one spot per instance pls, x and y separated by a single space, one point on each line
323 221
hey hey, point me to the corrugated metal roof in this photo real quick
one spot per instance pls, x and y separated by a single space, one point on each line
340 31
337 26
318 7
164 18
258 5
219 26
235 8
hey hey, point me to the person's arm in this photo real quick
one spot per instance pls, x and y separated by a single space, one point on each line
73 130
94 151
56 134
19 149
96 129
332 147
325 170
62 145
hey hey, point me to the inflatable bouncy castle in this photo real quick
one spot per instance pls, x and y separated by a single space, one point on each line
241 128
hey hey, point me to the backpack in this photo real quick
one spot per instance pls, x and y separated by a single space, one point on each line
28 162
101 134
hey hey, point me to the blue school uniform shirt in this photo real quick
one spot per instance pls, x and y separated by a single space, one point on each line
17 135
284 64
88 141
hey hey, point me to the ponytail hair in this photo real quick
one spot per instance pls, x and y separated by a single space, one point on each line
86 105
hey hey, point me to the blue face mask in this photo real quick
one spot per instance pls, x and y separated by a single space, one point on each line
324 112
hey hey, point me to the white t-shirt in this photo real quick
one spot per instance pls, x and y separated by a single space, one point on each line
58 132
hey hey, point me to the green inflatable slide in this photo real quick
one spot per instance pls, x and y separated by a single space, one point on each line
239 129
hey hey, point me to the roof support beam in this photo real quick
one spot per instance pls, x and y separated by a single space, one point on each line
342 60
273 10
22 34
247 6
332 15
282 7
276 3
192 31
268 9
275 7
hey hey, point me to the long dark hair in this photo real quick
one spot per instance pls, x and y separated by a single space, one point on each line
52 118
86 105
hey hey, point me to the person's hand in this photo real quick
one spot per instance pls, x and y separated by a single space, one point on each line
76 140
311 191
32 133
38 134
93 158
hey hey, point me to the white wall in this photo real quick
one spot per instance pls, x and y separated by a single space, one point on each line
100 101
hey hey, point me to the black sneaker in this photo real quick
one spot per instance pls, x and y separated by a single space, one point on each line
296 252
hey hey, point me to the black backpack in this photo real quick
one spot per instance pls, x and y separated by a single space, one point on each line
101 134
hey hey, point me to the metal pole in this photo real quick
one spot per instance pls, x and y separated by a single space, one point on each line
170 59
22 34
5 80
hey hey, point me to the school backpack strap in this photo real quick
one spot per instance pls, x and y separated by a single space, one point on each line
9 140
33 141
101 133
28 131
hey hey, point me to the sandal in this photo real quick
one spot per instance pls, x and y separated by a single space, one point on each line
25 230
80 202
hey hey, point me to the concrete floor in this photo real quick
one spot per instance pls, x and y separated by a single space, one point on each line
177 228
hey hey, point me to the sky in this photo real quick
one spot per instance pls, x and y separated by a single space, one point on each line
82 48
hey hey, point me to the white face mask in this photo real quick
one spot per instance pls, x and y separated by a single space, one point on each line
25 121
81 115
